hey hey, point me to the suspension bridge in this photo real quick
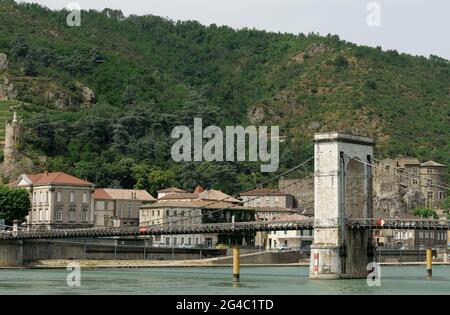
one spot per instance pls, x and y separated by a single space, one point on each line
343 213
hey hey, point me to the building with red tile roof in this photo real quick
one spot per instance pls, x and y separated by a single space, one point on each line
119 207
58 200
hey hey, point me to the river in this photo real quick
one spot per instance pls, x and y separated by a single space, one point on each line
218 280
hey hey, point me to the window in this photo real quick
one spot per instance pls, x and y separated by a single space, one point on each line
167 213
189 241
59 215
34 197
429 170
182 213
430 182
40 196
106 220
47 215
175 213
421 234
72 197
153 213
430 195
182 241
174 241
119 210
72 215
58 196
40 214
441 195
100 205
84 198
431 234
415 170
414 181
197 241
84 215
46 196
167 241
158 213
130 210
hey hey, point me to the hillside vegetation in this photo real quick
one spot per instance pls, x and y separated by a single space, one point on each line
100 100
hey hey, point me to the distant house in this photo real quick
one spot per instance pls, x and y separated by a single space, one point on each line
294 239
178 207
269 204
406 183
58 200
193 212
119 207
171 190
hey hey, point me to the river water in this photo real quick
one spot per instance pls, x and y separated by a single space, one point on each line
218 280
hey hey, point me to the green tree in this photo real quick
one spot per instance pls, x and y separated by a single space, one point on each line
446 205
153 179
14 204
425 213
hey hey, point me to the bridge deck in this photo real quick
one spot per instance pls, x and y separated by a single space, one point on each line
351 223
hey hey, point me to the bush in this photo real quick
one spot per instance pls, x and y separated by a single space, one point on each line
425 213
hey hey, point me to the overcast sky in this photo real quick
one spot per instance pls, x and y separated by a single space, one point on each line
419 27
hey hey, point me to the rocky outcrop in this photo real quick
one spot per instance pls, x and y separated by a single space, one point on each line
311 51
3 62
87 95
256 114
394 202
21 164
65 100
7 90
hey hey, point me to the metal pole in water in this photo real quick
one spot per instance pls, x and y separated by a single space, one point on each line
429 262
236 264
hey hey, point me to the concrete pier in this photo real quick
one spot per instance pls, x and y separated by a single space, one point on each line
342 188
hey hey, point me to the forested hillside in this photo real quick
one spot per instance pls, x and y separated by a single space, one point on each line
99 101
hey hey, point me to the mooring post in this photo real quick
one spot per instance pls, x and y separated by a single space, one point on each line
236 264
429 262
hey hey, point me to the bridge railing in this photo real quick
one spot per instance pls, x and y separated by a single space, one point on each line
162 229
397 223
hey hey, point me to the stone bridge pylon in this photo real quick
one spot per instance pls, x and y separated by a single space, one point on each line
342 188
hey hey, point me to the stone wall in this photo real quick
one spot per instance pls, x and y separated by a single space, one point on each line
17 253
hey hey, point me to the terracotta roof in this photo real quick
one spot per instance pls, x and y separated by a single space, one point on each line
171 190
199 189
432 163
124 194
57 178
265 192
174 196
100 193
213 194
194 204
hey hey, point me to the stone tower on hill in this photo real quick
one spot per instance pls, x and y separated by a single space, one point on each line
13 138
